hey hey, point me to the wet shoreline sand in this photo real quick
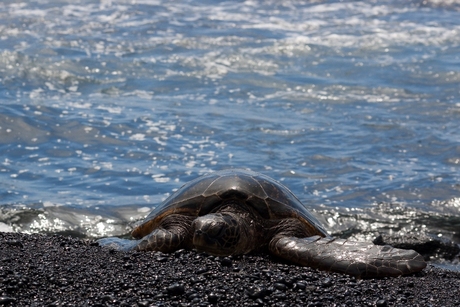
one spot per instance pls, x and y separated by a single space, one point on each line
39 270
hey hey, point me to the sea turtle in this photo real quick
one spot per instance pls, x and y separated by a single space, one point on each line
234 212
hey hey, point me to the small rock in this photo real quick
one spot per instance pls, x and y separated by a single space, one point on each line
280 286
128 265
107 298
176 289
161 259
144 303
202 270
226 261
15 243
257 292
327 282
236 269
6 300
300 285
213 298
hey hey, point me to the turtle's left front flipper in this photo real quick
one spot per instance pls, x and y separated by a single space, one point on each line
354 258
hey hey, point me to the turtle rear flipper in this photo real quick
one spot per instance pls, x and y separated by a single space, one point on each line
353 258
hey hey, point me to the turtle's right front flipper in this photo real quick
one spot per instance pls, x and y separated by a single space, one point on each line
354 258
173 233
118 244
160 239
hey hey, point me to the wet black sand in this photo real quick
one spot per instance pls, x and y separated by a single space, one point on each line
38 270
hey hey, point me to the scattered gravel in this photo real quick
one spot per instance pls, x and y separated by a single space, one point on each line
39 270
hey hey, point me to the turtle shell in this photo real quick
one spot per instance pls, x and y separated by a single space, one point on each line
206 194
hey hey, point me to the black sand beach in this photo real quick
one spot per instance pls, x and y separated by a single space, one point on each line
38 270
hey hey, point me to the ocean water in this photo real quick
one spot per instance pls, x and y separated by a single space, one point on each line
107 107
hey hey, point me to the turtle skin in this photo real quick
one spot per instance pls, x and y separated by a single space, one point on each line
237 211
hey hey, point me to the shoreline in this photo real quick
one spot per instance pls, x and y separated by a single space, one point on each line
40 270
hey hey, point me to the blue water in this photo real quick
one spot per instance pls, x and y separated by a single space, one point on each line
106 107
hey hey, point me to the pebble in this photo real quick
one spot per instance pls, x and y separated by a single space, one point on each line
301 285
202 270
5 300
15 243
257 292
327 282
213 298
226 261
176 289
280 286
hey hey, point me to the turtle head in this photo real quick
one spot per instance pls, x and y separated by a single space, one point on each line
222 234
